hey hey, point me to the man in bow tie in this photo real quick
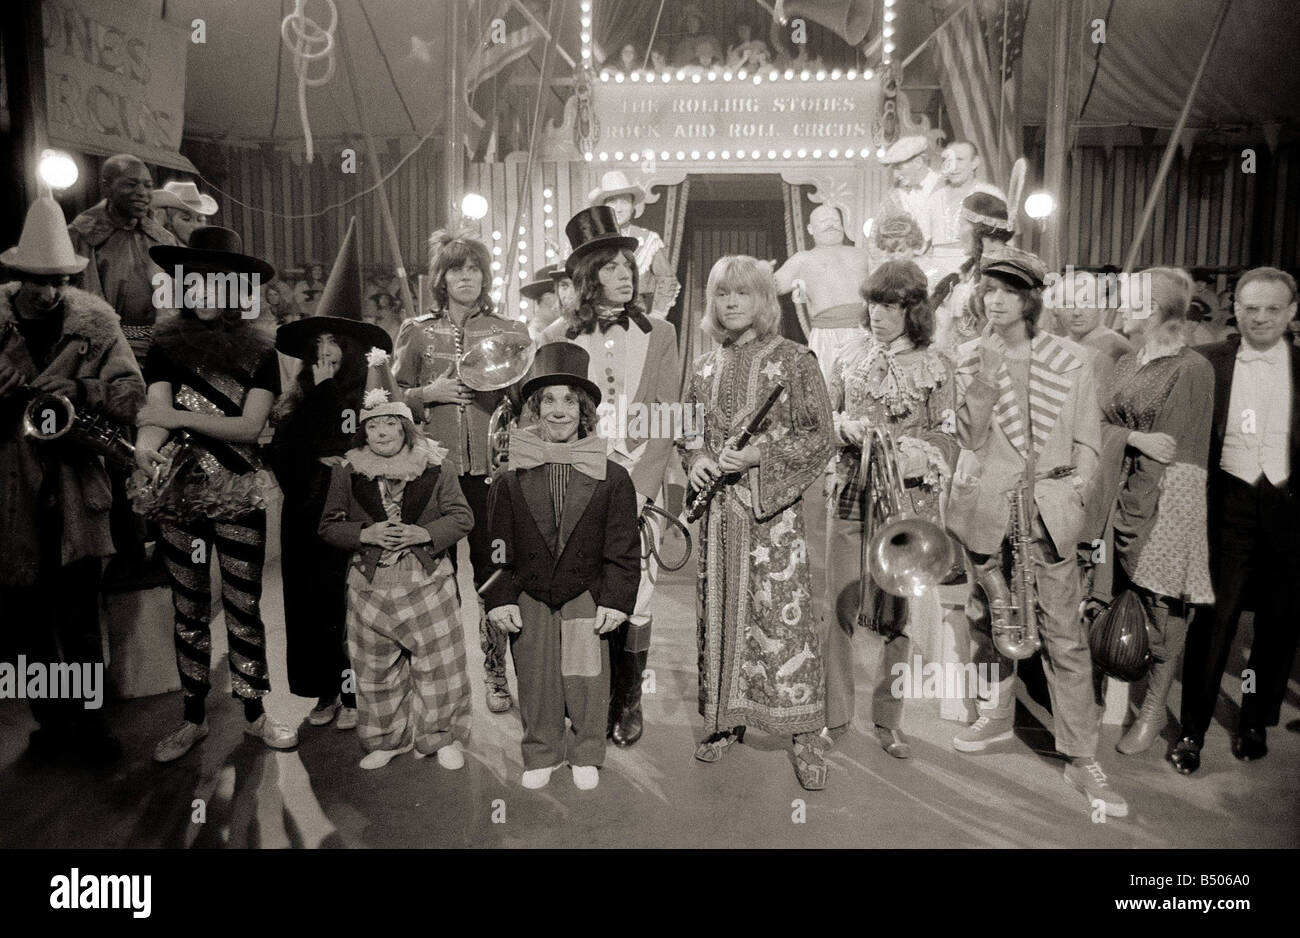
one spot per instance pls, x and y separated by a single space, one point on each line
914 181
1254 520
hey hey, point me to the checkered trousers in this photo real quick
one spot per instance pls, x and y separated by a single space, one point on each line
408 653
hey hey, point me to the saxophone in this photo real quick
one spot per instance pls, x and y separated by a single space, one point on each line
1014 619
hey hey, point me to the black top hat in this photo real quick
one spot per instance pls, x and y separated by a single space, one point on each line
212 248
560 363
592 228
541 284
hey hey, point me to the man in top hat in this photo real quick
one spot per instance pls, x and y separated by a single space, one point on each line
659 286
634 361
1027 405
180 208
115 235
914 180
54 497
825 280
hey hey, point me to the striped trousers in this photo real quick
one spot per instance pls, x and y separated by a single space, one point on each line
241 550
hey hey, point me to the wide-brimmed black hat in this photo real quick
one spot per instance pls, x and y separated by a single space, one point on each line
560 363
339 309
592 228
212 249
542 283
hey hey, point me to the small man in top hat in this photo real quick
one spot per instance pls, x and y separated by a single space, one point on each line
634 361
180 208
567 517
659 286
54 498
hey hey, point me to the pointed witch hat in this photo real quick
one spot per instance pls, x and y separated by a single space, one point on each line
338 311
44 247
382 397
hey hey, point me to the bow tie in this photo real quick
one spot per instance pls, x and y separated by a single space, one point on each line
1272 357
587 455
604 323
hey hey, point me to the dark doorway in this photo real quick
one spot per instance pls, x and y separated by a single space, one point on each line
730 214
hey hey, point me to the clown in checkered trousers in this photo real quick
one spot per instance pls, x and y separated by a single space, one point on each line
391 504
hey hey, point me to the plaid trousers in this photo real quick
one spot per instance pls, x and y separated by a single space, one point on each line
408 653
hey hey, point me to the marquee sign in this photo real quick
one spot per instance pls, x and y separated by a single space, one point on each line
720 115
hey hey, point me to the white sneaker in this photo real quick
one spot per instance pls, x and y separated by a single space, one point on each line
348 719
179 741
321 716
586 777
983 733
381 757
275 734
538 778
450 756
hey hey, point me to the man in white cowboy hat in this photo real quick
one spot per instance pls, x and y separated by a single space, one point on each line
115 235
914 180
180 208
54 498
659 286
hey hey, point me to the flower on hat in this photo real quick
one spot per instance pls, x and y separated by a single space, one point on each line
376 356
375 397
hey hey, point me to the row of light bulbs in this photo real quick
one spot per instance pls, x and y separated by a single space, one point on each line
694 77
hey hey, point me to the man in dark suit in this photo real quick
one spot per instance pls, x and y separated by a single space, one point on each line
1254 519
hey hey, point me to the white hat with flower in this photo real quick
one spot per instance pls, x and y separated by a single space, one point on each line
382 397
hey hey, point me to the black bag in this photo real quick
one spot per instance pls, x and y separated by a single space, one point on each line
1118 638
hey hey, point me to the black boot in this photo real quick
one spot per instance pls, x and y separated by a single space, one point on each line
629 725
617 667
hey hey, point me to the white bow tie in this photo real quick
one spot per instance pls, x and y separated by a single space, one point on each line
1272 357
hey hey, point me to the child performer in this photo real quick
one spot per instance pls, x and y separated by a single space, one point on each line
761 659
567 518
399 512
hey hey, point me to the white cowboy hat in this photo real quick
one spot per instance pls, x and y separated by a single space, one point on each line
615 183
184 195
44 246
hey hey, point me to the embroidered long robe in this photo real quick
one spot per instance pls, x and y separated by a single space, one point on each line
760 657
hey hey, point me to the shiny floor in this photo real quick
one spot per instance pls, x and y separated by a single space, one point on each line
231 791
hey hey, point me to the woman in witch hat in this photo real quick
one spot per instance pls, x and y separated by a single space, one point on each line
212 376
316 420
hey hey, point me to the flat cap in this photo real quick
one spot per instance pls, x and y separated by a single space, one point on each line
904 149
1016 265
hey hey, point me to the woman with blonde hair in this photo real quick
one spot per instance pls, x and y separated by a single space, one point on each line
760 646
1155 446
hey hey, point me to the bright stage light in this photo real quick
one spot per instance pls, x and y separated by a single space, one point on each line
57 169
1039 205
474 206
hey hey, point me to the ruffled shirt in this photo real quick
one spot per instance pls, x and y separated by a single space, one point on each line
393 472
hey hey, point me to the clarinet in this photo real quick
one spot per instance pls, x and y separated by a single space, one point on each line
698 503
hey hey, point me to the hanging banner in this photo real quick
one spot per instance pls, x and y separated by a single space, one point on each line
115 79
782 119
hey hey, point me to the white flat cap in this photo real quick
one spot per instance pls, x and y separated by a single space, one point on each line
904 148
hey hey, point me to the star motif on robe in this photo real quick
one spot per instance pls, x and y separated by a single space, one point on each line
761 554
773 369
788 516
707 370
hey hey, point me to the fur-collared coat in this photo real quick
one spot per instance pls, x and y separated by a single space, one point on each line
109 381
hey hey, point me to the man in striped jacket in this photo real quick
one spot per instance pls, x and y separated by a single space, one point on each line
1027 400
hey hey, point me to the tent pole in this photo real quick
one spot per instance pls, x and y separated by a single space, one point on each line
381 194
1064 13
453 170
1171 148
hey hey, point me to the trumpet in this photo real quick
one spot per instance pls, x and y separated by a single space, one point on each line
908 554
50 416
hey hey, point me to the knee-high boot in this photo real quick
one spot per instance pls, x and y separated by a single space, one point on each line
626 723
1151 719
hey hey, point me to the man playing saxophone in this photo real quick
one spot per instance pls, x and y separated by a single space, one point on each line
1026 413
55 497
